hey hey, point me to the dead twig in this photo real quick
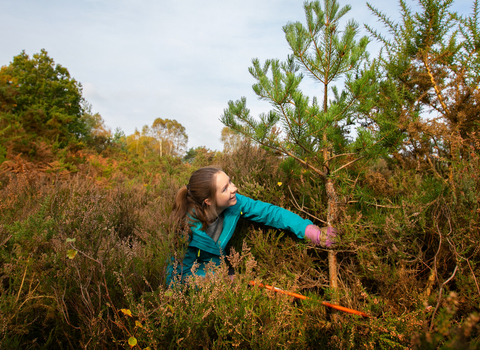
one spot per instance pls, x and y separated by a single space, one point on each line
440 295
5 241
21 285
349 163
384 206
297 206
473 274
434 273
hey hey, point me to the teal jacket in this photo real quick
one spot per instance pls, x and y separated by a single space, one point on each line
203 249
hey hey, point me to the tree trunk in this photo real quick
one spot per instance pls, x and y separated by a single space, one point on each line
331 218
332 205
332 271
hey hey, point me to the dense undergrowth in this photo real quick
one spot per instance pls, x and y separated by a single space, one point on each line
83 258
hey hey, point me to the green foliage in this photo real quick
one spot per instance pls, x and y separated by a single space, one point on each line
47 102
297 126
428 81
200 156
3 153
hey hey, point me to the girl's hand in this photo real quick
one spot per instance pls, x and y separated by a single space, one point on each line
325 237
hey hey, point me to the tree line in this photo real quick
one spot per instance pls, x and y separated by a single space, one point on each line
41 102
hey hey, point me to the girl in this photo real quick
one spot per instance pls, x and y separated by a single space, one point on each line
211 207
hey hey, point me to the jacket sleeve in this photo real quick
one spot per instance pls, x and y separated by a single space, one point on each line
272 215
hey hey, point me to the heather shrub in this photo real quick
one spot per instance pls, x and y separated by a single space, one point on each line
83 261
65 247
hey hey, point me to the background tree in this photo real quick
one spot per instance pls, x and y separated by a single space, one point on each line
133 142
9 126
314 135
48 101
97 134
147 141
200 156
119 139
231 140
164 137
170 136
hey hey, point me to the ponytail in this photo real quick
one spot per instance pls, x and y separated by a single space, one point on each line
180 205
189 205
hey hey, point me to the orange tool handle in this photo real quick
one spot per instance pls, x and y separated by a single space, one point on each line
303 297
278 290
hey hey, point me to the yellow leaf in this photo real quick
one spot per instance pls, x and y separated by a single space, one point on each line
126 312
138 324
71 253
132 341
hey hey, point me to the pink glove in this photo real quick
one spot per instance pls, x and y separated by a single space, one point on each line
325 236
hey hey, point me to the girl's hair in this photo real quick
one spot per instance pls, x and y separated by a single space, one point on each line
190 206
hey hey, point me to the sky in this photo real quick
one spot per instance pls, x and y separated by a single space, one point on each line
139 60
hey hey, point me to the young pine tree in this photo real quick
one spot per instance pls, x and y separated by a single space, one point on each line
315 135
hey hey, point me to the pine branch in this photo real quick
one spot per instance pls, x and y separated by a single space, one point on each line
301 209
349 163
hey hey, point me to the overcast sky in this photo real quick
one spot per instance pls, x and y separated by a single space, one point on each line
184 60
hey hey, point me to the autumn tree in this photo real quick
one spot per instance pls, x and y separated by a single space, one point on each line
147 141
133 142
170 135
164 137
231 139
141 142
98 135
315 134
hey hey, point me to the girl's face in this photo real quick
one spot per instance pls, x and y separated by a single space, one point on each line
225 194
